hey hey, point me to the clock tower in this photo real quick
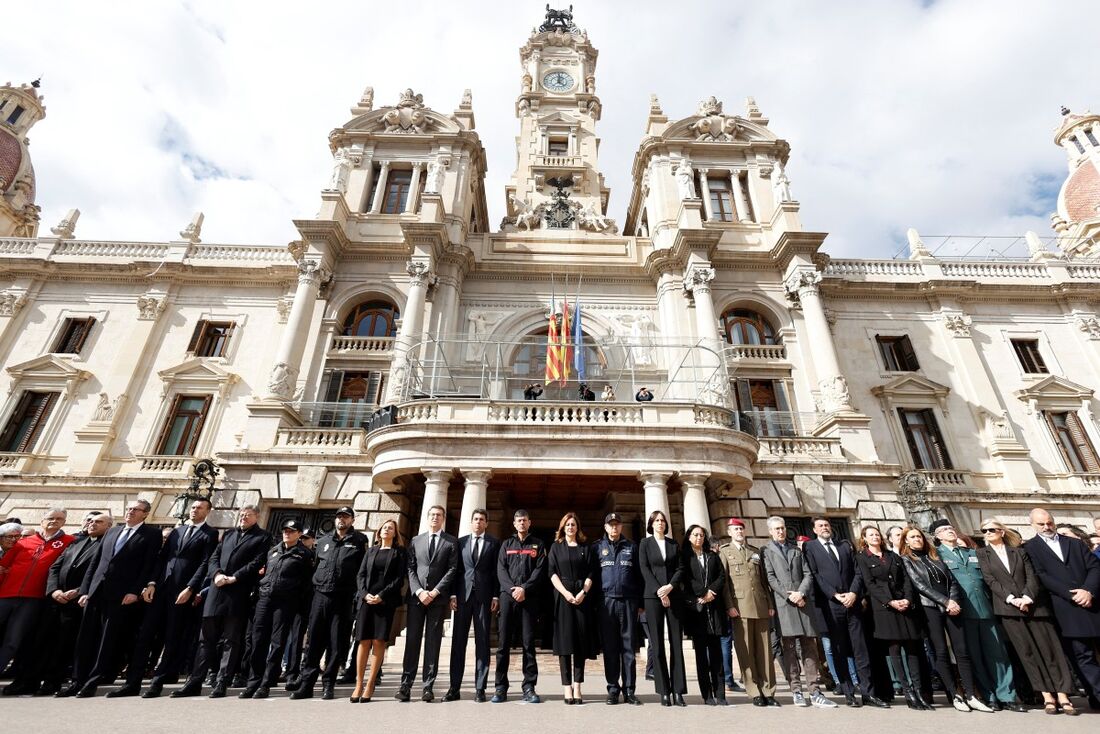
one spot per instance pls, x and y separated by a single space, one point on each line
557 184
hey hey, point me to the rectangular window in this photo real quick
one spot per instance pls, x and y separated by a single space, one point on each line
397 191
721 199
350 397
924 439
184 424
1092 138
74 332
1073 442
764 404
558 146
1027 351
897 353
15 115
211 338
27 421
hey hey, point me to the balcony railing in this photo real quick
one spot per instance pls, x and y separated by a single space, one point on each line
766 352
559 161
1090 479
792 447
329 440
777 424
163 464
12 462
946 478
360 345
336 415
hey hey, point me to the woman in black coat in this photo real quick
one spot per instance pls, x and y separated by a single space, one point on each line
939 594
382 577
1026 619
662 572
895 609
572 565
703 580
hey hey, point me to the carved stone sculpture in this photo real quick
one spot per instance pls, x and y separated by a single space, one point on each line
104 409
10 303
191 233
958 324
1089 325
342 163
833 394
149 307
367 100
408 116
526 216
591 218
638 327
712 124
685 179
280 383
782 183
67 226
433 182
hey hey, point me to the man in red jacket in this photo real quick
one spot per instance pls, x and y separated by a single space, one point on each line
23 573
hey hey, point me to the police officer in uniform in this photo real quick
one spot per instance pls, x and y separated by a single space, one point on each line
749 605
521 569
286 574
621 597
339 554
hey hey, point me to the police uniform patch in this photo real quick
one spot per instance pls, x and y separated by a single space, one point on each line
606 552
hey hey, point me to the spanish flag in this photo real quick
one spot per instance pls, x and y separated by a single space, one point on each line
565 340
553 347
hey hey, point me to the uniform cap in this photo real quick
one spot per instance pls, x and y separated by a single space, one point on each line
292 525
345 510
936 525
612 517
735 523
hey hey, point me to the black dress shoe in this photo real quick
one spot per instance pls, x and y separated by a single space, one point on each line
126 690
292 684
153 691
479 696
721 701
328 691
190 688
612 699
678 699
247 692
711 701
427 696
16 689
1017 707
770 701
852 701
262 692
451 695
68 691
759 701
666 701
402 695
218 692
88 691
531 697
303 691
499 697
631 699
876 702
47 689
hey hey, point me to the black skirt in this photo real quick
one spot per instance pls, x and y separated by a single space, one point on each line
374 621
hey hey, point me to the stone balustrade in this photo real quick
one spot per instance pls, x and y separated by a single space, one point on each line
68 250
164 464
946 478
330 440
356 345
998 271
789 448
13 462
767 352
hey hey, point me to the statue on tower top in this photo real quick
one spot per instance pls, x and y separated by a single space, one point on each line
558 20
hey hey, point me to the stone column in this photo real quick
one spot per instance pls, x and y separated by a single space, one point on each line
412 324
706 323
739 197
696 511
832 387
368 177
380 189
288 356
704 185
656 495
475 496
436 482
414 189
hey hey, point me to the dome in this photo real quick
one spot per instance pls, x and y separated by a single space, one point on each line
11 156
1080 196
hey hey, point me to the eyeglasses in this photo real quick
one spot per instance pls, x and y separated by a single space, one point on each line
991 530
12 536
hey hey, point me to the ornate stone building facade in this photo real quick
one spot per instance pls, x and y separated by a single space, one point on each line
785 381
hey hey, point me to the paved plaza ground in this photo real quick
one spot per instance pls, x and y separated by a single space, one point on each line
383 714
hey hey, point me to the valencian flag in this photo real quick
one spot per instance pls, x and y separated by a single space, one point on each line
565 340
553 345
578 336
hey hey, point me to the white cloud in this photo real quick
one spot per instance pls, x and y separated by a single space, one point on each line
934 115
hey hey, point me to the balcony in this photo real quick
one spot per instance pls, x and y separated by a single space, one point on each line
320 440
167 465
559 163
738 353
360 346
13 463
945 479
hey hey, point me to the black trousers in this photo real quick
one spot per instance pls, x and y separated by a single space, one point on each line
941 627
572 669
708 665
56 643
294 647
103 641
329 635
618 619
477 615
228 630
424 626
523 616
668 675
1082 651
19 617
848 639
271 623
164 620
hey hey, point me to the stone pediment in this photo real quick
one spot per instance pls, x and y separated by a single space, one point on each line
1055 392
408 117
49 370
911 388
559 118
718 128
199 373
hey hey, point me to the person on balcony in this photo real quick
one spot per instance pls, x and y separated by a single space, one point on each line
585 393
643 395
608 395
532 391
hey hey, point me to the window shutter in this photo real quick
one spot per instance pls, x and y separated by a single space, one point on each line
38 420
934 434
1082 443
335 382
80 335
374 381
910 439
744 396
167 427
196 337
908 355
196 427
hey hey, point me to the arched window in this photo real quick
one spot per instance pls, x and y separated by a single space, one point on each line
742 326
372 318
529 366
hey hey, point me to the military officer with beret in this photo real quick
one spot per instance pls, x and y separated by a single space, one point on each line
749 605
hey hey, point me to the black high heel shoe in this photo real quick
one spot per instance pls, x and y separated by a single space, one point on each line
666 701
678 699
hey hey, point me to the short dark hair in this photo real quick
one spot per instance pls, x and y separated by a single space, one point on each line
653 516
521 513
441 508
686 546
814 519
479 511
146 503
203 499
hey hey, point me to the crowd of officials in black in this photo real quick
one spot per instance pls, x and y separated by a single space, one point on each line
185 606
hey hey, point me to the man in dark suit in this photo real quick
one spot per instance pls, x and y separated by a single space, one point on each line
474 600
57 639
110 596
837 588
1072 576
169 615
433 565
231 575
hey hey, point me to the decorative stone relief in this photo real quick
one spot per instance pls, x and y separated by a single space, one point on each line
637 329
344 161
191 233
408 116
1090 325
433 182
699 277
833 394
802 282
282 308
591 218
526 216
958 324
685 180
366 102
66 228
150 306
297 248
10 303
782 183
105 409
480 325
713 125
310 272
280 383
419 272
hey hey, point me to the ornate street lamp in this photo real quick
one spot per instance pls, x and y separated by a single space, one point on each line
913 496
204 475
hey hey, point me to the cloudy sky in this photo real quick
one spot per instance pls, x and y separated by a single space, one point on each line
935 115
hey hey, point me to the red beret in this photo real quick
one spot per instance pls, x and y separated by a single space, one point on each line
735 522
803 538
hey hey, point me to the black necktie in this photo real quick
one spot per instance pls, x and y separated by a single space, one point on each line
477 548
187 535
832 552
431 548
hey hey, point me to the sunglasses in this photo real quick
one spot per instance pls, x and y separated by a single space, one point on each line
991 530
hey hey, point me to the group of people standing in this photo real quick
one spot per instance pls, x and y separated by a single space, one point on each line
184 605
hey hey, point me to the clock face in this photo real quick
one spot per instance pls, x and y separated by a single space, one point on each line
557 81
